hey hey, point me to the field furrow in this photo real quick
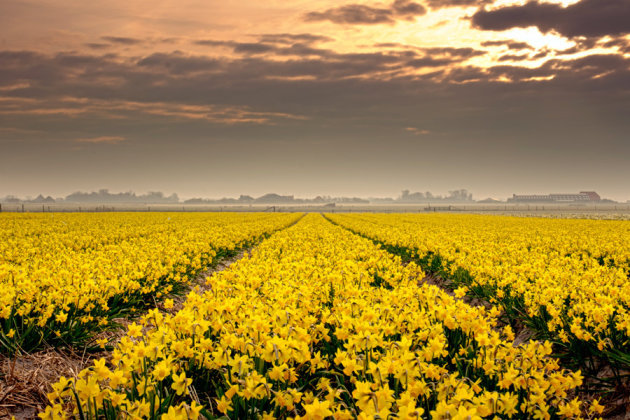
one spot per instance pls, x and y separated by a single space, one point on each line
65 277
566 281
318 322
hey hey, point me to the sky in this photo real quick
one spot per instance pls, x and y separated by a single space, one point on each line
213 98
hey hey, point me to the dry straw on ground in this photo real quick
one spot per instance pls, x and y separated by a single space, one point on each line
25 380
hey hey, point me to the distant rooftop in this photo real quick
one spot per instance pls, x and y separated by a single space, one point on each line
581 197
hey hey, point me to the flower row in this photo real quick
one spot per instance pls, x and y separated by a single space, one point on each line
315 323
64 276
568 280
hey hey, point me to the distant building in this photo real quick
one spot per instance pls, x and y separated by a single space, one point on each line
489 200
582 197
594 196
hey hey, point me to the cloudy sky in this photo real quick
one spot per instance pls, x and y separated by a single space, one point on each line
220 98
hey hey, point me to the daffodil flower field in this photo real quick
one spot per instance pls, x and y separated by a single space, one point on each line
568 281
319 322
64 277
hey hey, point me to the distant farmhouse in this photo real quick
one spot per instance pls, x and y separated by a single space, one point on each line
582 197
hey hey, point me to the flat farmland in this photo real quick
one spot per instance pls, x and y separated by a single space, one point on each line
608 211
324 315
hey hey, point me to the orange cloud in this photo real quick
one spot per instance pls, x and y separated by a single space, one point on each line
101 139
417 131
119 109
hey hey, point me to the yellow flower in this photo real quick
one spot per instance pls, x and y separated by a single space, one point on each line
162 369
317 410
194 410
175 414
134 330
52 413
168 303
460 292
464 413
570 409
180 383
88 388
596 407
100 370
61 317
117 378
116 399
224 404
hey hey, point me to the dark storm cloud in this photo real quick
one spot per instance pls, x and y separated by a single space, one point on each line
199 80
407 8
178 63
396 58
97 45
514 57
307 87
72 73
359 14
265 46
608 75
214 43
353 14
541 54
595 65
303 46
121 40
512 45
461 53
437 4
291 38
454 52
251 48
588 18
428 62
621 43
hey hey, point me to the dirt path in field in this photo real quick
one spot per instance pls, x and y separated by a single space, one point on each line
199 285
25 380
617 402
521 332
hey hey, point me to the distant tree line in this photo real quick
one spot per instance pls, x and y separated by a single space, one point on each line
276 199
100 196
39 199
104 196
423 197
156 197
